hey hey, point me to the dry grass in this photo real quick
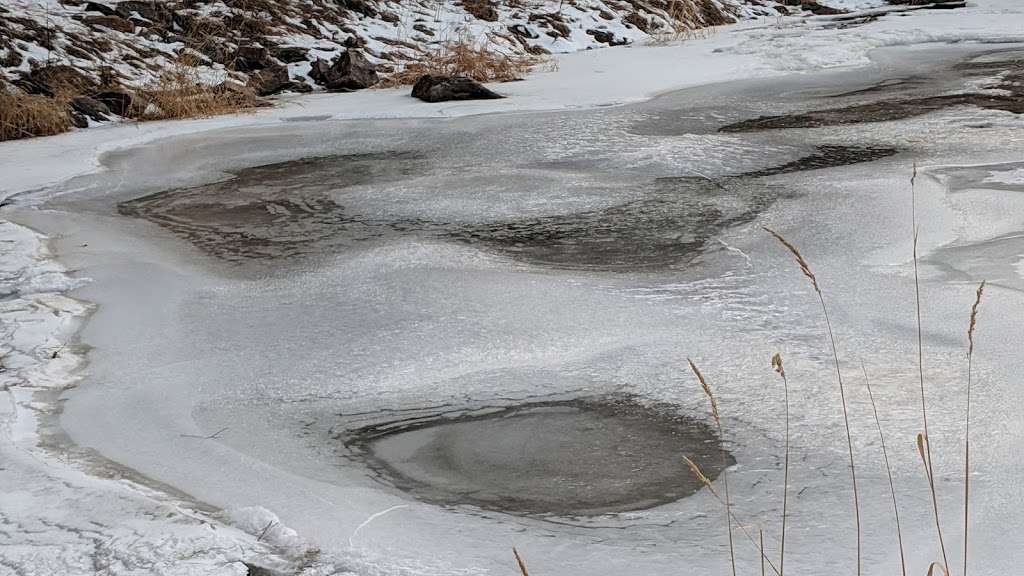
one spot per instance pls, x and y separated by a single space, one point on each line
520 563
725 462
25 116
805 268
781 370
888 471
967 433
480 61
924 441
179 94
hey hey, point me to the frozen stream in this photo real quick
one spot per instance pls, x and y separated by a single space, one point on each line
266 295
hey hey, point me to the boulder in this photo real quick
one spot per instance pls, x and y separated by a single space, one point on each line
112 22
54 79
91 108
606 37
99 7
434 88
290 54
270 80
120 102
152 10
349 71
251 58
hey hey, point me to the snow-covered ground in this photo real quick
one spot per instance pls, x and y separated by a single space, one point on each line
62 513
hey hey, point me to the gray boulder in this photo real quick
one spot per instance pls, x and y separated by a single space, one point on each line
349 71
434 88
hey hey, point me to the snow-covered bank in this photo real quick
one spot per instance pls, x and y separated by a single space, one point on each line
584 79
192 545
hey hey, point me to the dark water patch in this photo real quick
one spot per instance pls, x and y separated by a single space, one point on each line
669 226
828 157
878 112
666 226
294 209
579 457
1006 69
278 210
888 85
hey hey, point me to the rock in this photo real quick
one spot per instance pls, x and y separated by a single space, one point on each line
91 108
349 71
523 31
50 80
638 21
270 80
152 11
120 102
101 8
290 54
605 37
251 58
481 10
433 88
112 22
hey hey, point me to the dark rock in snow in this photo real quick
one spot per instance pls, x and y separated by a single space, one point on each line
91 108
605 37
251 58
523 31
112 22
433 88
270 80
152 11
290 54
349 71
49 80
101 8
120 102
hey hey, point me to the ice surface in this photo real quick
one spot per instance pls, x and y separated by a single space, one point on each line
231 380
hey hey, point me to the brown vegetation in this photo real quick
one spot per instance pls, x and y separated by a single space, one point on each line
480 61
24 116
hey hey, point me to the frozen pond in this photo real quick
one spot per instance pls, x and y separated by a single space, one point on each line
421 342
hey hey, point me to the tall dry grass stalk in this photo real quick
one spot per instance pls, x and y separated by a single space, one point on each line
967 433
520 563
699 474
725 463
777 365
806 269
926 449
888 471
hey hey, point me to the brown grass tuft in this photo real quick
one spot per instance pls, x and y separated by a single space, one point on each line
178 94
480 61
25 116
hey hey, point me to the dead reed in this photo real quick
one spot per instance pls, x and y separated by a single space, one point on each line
923 442
520 563
781 370
967 432
806 269
725 473
888 471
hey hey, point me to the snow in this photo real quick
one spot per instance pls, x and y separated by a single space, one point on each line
278 507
